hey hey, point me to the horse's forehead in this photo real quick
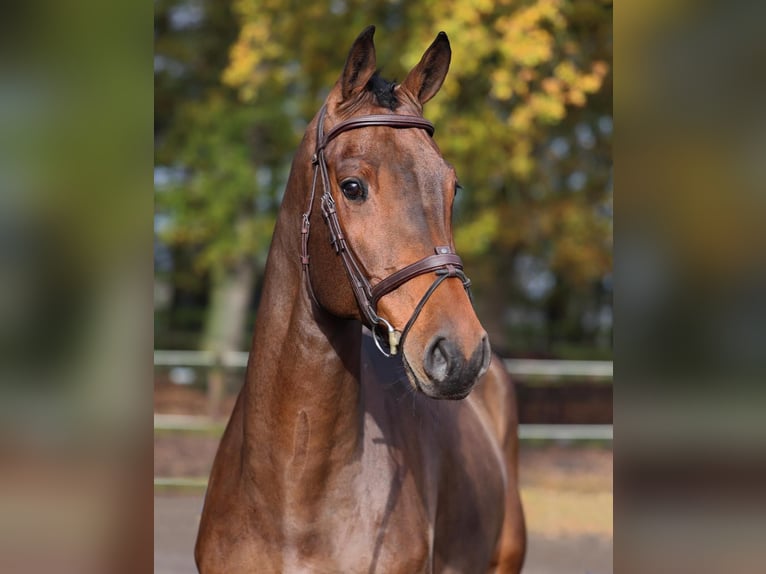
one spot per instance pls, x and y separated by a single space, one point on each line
394 148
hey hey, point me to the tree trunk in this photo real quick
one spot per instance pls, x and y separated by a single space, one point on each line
231 291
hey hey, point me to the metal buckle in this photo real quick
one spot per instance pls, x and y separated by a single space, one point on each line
393 337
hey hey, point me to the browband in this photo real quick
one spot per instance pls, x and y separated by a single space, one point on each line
387 120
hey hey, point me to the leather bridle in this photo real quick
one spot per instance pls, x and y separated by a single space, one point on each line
445 263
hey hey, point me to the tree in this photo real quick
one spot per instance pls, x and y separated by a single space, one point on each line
225 159
525 116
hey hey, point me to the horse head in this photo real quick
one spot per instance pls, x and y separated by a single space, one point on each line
388 211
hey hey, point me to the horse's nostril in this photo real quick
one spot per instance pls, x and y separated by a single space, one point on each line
446 366
437 359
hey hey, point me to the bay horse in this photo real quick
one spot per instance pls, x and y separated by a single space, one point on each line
337 457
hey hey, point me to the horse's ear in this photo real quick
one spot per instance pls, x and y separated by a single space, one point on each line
360 64
427 77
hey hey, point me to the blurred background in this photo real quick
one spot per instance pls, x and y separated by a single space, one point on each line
79 232
525 116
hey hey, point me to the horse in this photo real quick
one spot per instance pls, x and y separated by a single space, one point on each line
354 445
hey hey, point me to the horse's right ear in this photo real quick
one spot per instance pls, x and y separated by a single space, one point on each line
360 64
425 79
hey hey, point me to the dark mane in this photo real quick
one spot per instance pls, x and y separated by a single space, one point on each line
383 90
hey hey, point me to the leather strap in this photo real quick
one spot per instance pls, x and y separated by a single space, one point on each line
425 265
445 263
388 120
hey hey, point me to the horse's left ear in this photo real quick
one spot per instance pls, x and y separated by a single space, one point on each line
425 79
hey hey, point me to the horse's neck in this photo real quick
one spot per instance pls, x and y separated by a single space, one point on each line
301 411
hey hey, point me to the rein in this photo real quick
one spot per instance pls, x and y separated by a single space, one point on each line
445 263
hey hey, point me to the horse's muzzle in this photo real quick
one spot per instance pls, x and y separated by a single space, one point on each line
452 375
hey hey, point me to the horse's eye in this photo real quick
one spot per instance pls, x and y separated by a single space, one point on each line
353 189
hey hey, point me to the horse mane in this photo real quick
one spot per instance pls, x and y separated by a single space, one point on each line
383 90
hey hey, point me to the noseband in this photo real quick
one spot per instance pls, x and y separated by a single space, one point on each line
445 263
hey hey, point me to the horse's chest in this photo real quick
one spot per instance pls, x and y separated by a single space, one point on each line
428 494
442 460
376 520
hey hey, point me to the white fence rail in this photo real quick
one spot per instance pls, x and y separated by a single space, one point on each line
230 359
189 423
546 369
560 432
556 369
194 423
521 367
566 433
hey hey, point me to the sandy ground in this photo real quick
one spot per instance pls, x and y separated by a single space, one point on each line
175 529
566 492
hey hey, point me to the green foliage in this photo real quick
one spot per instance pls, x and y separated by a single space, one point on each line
222 207
525 116
231 158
